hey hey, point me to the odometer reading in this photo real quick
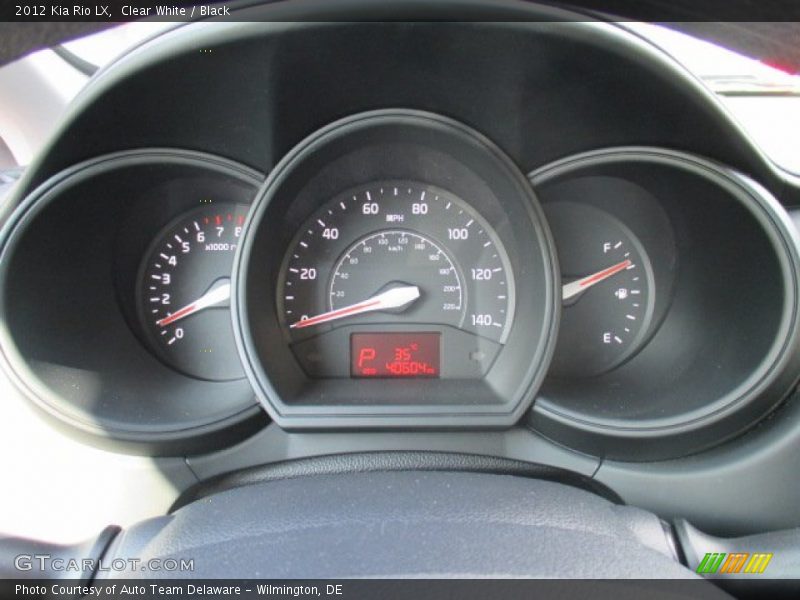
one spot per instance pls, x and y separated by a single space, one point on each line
401 254
393 355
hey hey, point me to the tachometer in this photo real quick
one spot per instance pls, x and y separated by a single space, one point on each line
184 292
400 254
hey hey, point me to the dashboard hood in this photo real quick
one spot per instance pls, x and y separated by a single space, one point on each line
763 30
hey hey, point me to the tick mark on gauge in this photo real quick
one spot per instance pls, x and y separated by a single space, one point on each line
631 317
617 245
470 222
293 270
342 204
321 222
304 245
487 244
177 237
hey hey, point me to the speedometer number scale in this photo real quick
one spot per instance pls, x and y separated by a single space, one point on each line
397 258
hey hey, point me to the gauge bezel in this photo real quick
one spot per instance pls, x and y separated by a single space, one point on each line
103 384
642 410
395 144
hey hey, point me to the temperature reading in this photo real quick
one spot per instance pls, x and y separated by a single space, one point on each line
394 354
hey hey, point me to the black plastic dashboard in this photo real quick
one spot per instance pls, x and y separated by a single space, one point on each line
633 250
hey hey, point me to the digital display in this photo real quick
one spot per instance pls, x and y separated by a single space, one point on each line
393 355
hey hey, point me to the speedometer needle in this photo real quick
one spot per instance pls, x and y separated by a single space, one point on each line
396 297
576 287
213 297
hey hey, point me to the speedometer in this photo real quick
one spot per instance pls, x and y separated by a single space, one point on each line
402 254
395 271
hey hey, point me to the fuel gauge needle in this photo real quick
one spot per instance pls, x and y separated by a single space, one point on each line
574 288
396 297
213 297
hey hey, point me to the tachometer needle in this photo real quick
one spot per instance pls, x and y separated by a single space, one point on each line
213 297
396 297
576 287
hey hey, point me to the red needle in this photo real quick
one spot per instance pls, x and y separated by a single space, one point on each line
178 314
576 287
396 297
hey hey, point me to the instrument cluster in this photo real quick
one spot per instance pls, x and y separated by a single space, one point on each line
397 270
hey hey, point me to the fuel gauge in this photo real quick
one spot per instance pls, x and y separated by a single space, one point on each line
608 292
